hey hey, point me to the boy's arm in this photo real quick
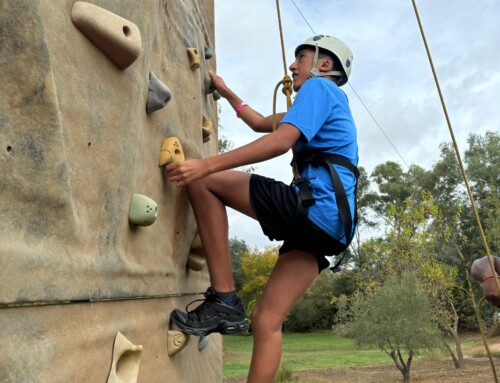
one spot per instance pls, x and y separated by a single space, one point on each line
480 269
267 147
251 117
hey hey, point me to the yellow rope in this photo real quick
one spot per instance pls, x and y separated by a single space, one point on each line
469 192
476 215
287 81
481 327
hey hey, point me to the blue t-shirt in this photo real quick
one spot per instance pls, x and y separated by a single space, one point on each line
321 112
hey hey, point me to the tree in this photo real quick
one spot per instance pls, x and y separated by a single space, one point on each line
416 239
237 249
315 310
256 267
397 318
482 160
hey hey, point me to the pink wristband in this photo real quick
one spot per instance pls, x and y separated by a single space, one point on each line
489 277
238 109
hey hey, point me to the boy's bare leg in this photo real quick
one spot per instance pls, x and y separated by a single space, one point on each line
209 197
291 277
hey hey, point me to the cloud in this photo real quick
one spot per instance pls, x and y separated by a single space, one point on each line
391 72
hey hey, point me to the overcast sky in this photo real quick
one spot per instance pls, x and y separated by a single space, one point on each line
391 74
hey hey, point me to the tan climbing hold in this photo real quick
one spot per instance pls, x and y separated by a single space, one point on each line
171 151
118 38
196 258
126 361
195 262
194 58
176 341
206 129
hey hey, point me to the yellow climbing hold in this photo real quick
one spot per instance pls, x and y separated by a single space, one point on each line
206 129
196 258
171 151
194 58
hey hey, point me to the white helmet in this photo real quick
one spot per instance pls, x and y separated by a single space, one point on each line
334 46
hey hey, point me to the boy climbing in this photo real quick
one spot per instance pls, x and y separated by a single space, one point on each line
315 216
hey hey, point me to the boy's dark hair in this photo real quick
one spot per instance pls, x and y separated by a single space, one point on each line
335 61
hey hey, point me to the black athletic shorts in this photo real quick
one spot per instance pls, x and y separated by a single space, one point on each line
275 204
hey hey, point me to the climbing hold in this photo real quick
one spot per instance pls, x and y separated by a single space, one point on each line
206 129
209 86
196 257
216 95
194 58
143 210
208 53
126 361
195 262
159 95
203 342
118 38
171 151
176 341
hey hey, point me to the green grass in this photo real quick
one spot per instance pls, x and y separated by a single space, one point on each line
302 352
318 350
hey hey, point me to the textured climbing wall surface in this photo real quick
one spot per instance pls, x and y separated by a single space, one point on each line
76 145
74 343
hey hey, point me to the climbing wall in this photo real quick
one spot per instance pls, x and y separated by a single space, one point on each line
96 245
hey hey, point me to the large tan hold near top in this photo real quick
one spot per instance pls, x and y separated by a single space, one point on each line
118 38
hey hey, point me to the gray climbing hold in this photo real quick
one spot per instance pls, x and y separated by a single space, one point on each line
159 95
216 95
209 85
143 210
203 343
208 53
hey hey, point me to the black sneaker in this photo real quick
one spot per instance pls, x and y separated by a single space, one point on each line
213 315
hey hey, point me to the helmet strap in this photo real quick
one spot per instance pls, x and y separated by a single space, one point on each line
316 73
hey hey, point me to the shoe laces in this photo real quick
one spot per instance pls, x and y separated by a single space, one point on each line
209 295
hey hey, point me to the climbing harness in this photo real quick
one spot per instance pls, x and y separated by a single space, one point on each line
299 162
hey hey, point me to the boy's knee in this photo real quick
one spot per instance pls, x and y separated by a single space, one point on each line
265 318
194 188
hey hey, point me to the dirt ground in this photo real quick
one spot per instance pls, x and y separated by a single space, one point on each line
477 370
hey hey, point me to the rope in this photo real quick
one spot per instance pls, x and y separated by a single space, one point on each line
462 169
481 327
469 192
287 81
